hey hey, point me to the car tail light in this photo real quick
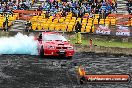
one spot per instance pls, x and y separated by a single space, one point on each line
70 48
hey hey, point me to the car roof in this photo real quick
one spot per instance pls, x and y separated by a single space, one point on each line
50 33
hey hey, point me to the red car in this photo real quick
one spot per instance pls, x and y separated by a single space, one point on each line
54 44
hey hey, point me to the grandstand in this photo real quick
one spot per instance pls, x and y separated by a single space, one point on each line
62 15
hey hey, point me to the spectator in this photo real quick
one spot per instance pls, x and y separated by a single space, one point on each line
129 6
89 8
95 1
63 13
81 12
19 7
15 7
77 7
5 23
40 8
28 26
97 8
78 27
108 10
84 7
92 10
47 14
91 15
103 14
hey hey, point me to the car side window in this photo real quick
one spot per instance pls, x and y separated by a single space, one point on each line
44 37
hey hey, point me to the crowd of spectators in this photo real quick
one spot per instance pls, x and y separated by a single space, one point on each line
79 7
8 6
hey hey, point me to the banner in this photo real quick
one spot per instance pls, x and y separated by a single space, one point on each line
123 31
103 30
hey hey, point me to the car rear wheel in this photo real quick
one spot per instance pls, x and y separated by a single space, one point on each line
70 57
41 52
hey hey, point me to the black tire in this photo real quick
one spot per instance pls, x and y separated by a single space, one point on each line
82 80
70 57
41 52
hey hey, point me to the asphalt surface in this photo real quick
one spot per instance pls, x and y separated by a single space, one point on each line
25 71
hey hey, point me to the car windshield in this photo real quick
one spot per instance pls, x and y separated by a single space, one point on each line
53 37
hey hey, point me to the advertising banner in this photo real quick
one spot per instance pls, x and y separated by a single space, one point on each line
103 29
123 31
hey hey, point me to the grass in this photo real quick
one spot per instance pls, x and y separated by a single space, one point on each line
114 44
104 43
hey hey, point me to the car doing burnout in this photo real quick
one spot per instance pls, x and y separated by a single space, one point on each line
54 44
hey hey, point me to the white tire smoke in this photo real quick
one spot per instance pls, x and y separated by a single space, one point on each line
19 44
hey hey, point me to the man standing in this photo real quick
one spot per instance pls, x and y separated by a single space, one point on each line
78 34
5 23
28 26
